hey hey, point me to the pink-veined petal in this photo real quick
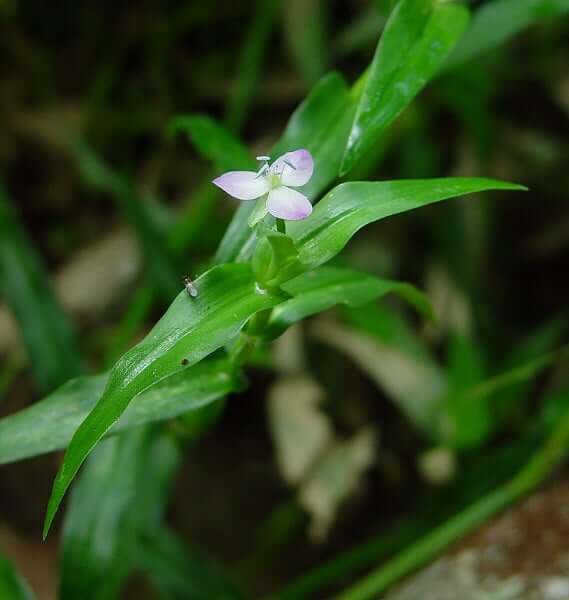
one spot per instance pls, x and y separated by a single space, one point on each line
243 185
295 168
286 203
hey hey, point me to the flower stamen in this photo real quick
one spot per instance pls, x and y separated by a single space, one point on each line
264 167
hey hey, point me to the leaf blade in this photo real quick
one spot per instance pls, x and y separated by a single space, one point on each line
497 21
12 585
47 331
191 329
417 37
49 424
102 531
351 206
183 572
321 125
317 291
212 141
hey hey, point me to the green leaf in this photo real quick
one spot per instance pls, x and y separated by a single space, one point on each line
468 420
512 402
239 240
109 511
46 330
545 460
417 37
275 260
191 329
319 290
12 586
315 113
213 142
320 124
49 425
351 206
496 22
183 572
471 423
492 390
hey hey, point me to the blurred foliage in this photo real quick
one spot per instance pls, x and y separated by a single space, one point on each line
93 103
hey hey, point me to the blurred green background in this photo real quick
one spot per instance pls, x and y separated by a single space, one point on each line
102 213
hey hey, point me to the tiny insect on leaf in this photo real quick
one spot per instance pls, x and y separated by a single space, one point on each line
190 287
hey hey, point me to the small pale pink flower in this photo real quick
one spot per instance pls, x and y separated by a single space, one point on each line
293 169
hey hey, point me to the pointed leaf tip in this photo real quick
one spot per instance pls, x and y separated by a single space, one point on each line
417 37
227 299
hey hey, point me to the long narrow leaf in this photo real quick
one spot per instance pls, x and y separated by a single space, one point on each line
191 329
12 585
418 36
493 389
109 514
319 290
183 572
49 425
47 332
136 208
499 20
552 452
213 142
351 206
251 57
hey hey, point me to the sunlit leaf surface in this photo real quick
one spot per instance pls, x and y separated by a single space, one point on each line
191 329
416 39
49 425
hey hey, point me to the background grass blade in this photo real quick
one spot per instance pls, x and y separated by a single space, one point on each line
110 511
48 333
140 211
251 58
496 22
305 30
182 572
12 586
213 142
536 470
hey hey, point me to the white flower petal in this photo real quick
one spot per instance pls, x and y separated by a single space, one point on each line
243 185
295 168
286 203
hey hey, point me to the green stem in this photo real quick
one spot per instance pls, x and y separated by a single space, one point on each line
532 475
281 226
249 337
